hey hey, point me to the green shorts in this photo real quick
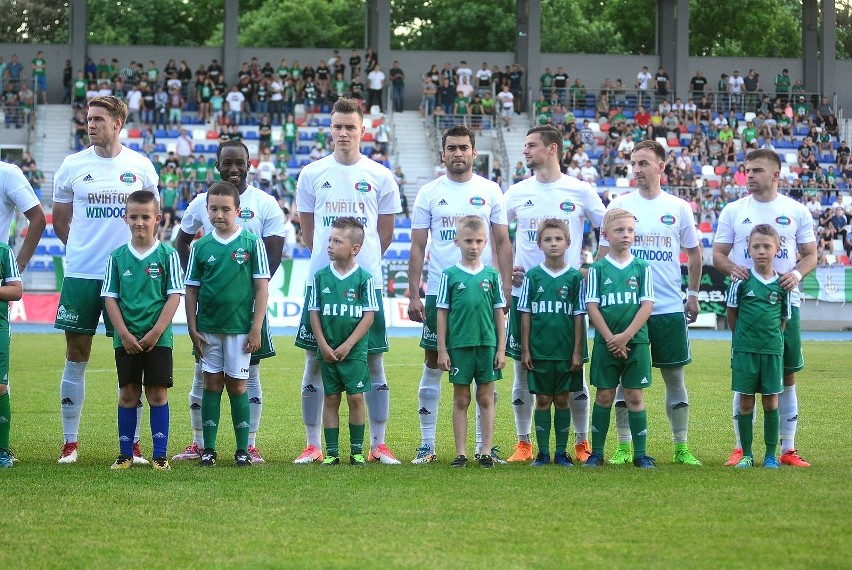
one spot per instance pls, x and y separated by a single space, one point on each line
429 334
377 337
793 358
669 340
634 372
350 376
552 377
80 307
513 334
267 347
473 363
4 357
752 373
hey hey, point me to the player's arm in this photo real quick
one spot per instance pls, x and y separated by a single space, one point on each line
128 340
182 245
384 226
416 258
723 263
261 296
443 356
621 339
597 320
35 216
274 246
62 213
602 251
191 306
360 331
526 324
167 315
807 263
500 233
694 268
11 291
325 350
579 339
732 319
500 329
306 221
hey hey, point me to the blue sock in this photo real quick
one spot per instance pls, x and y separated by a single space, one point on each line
126 429
160 429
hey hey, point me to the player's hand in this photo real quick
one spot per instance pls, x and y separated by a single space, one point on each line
342 351
741 272
252 342
149 341
622 353
500 360
416 312
789 281
616 342
130 344
518 273
526 360
328 354
198 343
691 309
577 362
444 361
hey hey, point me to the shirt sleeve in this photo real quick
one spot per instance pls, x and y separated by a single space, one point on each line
421 217
733 295
176 285
592 295
594 207
498 207
499 297
368 294
193 271
19 193
524 299
688 235
579 299
305 195
111 285
725 230
260 263
273 219
10 272
389 201
443 301
313 300
647 285
192 220
63 193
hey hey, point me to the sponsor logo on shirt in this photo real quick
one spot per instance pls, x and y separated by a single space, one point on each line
442 202
668 219
363 187
88 178
127 273
567 206
246 214
746 221
529 204
154 270
211 259
477 201
128 178
325 185
783 221
327 291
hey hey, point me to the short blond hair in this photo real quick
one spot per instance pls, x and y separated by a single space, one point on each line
615 214
471 222
115 107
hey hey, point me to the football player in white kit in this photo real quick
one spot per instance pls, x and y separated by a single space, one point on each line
793 222
547 194
347 183
439 204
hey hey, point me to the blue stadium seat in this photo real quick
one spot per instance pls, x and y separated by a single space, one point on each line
403 237
40 250
160 134
213 147
252 136
391 254
173 134
159 147
706 242
403 254
306 136
609 181
199 148
402 223
293 163
326 122
134 146
304 149
325 108
55 250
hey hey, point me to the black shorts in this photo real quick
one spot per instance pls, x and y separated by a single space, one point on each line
171 211
146 368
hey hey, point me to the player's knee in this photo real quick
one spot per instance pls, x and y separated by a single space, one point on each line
604 397
157 395
543 402
430 359
129 394
562 400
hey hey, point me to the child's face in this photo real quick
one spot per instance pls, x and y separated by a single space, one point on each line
222 211
553 243
142 219
620 234
471 243
762 250
340 245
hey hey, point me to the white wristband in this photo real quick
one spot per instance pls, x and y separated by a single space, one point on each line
692 293
797 274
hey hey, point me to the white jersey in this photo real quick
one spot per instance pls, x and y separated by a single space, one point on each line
364 190
791 220
259 213
98 189
664 225
531 202
15 192
437 208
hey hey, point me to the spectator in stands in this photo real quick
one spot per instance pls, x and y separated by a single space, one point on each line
446 96
507 106
697 85
736 86
751 84
643 85
397 78
81 134
484 78
801 112
428 96
577 93
383 136
516 74
782 85
174 106
236 105
11 106
26 103
602 105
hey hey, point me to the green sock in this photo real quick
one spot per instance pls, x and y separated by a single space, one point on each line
542 430
638 422
5 421
240 415
600 426
562 426
771 427
356 438
332 438
746 425
211 403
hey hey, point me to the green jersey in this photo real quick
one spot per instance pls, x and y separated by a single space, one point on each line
553 300
341 301
80 88
471 297
290 131
141 283
224 270
619 289
39 64
8 273
761 305
169 197
201 171
749 135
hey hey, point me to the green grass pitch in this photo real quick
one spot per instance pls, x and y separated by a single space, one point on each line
281 515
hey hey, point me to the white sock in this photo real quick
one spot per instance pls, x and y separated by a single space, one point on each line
677 402
378 400
72 392
622 419
478 423
788 409
579 404
313 395
522 402
195 406
255 395
428 397
138 420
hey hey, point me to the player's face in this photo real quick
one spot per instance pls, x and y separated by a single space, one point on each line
458 155
142 219
471 243
647 168
340 245
233 165
103 130
620 234
553 243
346 131
536 153
762 250
222 211
762 175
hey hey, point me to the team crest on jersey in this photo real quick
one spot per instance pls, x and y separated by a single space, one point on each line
668 219
563 292
477 201
567 206
783 221
240 256
246 214
154 270
128 178
773 297
485 284
351 295
633 283
363 187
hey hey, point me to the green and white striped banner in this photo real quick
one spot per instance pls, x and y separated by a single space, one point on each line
829 284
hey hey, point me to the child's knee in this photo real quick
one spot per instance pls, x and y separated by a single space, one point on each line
485 395
157 395
770 402
543 402
355 402
562 400
235 386
635 399
605 397
129 394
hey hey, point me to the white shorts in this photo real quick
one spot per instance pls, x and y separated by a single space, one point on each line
224 352
507 111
